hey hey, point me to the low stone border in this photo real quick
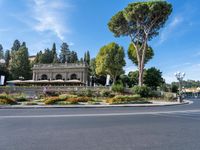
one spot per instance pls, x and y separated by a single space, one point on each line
157 103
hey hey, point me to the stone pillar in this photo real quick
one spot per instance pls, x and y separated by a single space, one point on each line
83 77
51 77
36 76
33 76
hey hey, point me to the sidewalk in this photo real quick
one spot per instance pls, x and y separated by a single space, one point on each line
154 104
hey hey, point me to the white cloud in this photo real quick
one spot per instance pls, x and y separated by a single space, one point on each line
170 28
191 71
50 16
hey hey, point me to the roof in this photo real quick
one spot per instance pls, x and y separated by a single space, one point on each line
43 81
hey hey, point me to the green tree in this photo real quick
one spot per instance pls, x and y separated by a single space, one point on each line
132 54
47 57
7 58
133 75
1 52
153 78
73 57
110 60
38 58
125 80
81 60
20 64
93 67
65 53
54 54
87 57
16 46
174 88
141 21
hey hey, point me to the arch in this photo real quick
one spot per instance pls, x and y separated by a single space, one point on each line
44 77
58 77
73 76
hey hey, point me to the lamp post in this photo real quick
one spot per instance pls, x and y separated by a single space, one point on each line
179 76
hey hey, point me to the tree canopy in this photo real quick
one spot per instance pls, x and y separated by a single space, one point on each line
153 78
110 60
132 54
141 21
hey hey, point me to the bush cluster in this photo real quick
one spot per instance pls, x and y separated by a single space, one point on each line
87 93
120 99
66 100
143 91
21 98
51 100
118 87
6 100
76 100
169 96
65 96
106 93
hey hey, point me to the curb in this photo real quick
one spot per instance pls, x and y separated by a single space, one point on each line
93 106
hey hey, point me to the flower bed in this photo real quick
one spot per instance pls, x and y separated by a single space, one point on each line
133 99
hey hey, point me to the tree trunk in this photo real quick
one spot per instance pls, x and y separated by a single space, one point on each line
141 70
141 63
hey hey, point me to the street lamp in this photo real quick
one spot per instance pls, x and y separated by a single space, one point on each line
179 76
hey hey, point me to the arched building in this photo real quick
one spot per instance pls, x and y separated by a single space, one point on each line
65 72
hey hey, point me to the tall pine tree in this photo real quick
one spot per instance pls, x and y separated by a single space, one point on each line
20 64
65 53
54 53
1 52
7 58
16 45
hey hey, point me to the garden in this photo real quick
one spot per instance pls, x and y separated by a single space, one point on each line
115 95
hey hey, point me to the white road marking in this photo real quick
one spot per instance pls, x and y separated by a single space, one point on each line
100 115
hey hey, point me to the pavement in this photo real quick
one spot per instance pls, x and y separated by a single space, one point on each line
117 128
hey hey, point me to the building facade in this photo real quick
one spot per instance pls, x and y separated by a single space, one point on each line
66 72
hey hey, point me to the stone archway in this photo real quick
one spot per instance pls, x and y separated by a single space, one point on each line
44 77
73 77
58 77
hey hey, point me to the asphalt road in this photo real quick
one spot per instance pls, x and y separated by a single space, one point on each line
137 128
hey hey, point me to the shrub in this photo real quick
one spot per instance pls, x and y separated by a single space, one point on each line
106 93
126 99
155 94
65 96
87 93
118 87
143 91
169 96
78 99
51 100
6 100
21 99
51 93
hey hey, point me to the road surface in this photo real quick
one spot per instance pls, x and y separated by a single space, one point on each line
125 128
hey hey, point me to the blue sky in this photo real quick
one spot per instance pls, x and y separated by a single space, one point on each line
83 25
